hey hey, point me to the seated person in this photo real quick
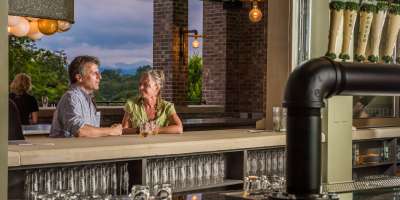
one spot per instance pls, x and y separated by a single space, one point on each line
149 109
76 112
14 122
26 103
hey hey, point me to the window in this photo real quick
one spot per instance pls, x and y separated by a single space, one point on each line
118 32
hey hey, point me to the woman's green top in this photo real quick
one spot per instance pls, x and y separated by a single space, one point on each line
135 108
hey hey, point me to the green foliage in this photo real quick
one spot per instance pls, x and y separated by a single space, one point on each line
337 5
368 8
331 55
46 68
115 86
351 5
195 79
382 6
394 9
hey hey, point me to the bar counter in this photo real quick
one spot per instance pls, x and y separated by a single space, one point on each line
44 150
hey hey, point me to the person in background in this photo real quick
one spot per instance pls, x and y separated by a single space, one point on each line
75 114
149 110
26 103
14 122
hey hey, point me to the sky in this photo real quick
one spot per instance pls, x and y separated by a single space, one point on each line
118 32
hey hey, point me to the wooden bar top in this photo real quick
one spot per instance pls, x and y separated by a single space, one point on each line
43 150
67 150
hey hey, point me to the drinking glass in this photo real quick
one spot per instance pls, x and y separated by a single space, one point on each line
252 185
145 129
124 177
261 163
221 167
274 162
163 192
140 192
276 118
265 184
254 162
114 183
281 163
172 175
248 164
283 120
191 170
165 171
155 172
215 168
45 101
199 170
267 163
182 173
28 184
207 169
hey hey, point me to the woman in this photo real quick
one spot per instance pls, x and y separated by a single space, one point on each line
26 103
149 111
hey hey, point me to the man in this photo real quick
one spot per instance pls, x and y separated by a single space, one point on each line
76 113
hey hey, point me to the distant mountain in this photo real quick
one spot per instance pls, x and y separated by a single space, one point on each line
127 69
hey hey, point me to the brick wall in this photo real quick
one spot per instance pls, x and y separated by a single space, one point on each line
169 17
234 54
234 57
214 53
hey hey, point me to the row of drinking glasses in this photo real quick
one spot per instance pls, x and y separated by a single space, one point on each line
86 182
186 171
266 162
257 185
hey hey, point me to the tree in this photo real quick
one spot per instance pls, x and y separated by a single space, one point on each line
195 79
46 68
118 87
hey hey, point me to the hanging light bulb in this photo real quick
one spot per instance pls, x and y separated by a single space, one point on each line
21 29
255 14
34 32
195 43
13 20
63 26
47 26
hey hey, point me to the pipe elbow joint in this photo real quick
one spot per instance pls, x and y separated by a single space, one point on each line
310 83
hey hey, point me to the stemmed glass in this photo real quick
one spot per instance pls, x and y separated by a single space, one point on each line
191 170
45 101
261 163
164 171
172 172
254 163
207 169
268 162
199 170
215 168
248 164
221 167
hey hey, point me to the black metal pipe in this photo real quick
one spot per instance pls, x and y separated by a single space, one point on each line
307 87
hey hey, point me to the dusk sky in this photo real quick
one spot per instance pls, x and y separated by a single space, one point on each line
119 32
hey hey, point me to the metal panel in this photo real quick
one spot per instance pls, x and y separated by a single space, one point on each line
47 9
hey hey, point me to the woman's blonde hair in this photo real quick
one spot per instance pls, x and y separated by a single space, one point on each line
21 84
157 76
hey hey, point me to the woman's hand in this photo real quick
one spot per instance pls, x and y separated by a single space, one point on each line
116 125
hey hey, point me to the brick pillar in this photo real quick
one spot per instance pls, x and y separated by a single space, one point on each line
234 57
252 60
214 53
169 17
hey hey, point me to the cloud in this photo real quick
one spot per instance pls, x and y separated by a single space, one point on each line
119 32
110 57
